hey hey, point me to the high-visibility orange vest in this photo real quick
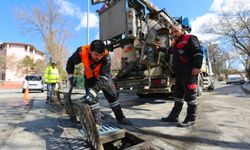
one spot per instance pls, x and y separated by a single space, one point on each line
89 73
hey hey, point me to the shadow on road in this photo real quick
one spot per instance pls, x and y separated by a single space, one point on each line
188 141
52 131
232 90
136 101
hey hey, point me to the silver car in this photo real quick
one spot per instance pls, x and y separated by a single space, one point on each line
235 78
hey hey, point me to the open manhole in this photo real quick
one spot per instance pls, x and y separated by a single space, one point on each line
121 140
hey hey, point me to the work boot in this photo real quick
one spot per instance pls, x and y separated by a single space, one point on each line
171 118
190 118
188 121
117 110
174 114
124 121
47 100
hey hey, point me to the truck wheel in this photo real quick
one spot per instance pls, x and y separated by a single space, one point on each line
199 86
211 87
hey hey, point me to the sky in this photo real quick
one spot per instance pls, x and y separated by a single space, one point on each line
74 11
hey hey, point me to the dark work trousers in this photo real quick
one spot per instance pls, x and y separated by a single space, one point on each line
50 89
110 94
185 89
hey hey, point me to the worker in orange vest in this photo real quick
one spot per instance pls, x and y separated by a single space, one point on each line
97 73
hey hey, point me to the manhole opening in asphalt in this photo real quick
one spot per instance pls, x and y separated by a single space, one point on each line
127 141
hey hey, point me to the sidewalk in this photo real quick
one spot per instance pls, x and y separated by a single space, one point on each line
246 87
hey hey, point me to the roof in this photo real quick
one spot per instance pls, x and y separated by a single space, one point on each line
22 44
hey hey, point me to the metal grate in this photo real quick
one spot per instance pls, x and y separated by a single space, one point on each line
108 128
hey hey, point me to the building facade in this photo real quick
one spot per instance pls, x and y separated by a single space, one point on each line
11 54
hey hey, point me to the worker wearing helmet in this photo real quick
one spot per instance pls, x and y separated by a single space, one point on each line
97 73
187 61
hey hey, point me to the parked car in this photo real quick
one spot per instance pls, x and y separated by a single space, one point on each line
235 78
33 82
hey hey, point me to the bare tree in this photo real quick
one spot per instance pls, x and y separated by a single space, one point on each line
39 67
245 61
50 25
234 26
221 60
228 60
216 61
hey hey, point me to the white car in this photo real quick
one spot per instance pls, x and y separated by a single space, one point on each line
235 78
33 82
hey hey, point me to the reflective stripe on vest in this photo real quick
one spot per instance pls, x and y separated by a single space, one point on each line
89 73
183 41
51 75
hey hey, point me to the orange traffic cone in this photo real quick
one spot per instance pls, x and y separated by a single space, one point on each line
26 96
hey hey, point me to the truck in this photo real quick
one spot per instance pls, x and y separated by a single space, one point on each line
137 28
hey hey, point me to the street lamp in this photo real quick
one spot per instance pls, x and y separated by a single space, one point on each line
88 21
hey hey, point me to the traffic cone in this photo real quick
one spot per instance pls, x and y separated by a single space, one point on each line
26 96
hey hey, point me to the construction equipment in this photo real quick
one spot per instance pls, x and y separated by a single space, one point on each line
138 29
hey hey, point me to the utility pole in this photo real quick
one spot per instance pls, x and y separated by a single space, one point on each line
88 22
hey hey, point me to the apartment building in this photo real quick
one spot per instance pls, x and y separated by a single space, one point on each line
11 54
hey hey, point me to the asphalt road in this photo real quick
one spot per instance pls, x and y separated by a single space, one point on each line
35 126
223 121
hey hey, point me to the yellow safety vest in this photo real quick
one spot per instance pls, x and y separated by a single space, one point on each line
51 75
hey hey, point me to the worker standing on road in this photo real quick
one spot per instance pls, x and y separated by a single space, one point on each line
51 79
97 73
187 61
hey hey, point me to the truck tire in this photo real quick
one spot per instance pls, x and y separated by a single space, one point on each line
199 86
210 88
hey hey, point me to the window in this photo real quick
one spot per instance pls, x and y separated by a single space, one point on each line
33 78
2 76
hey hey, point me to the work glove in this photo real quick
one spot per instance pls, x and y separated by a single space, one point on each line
90 96
72 81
